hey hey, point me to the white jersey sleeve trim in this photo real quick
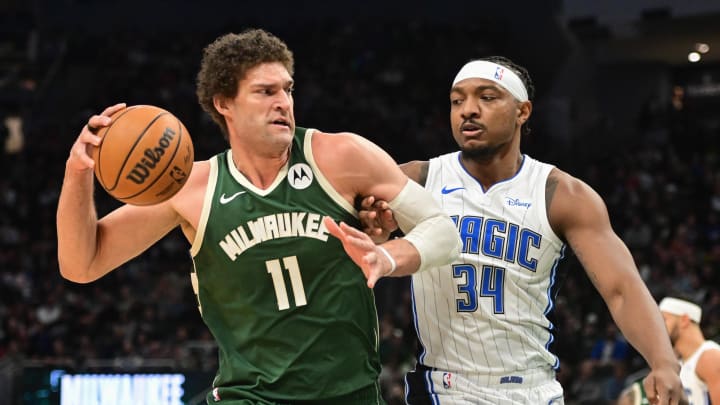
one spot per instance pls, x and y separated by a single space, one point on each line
207 205
322 180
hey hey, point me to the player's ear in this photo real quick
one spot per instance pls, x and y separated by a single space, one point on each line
221 105
524 111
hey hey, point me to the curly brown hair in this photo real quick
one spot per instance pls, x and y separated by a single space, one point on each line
226 61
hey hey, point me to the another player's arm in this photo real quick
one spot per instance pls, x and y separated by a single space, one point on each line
358 167
708 369
633 395
417 170
375 214
578 214
88 248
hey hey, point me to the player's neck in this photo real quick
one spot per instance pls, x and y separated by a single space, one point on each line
494 169
259 169
689 343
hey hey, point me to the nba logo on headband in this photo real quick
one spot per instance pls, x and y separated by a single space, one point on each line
499 73
482 69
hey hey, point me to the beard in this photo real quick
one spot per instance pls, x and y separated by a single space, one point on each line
482 153
674 335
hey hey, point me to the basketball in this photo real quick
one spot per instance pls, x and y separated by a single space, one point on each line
145 156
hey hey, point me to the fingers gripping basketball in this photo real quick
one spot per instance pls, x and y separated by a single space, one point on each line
145 157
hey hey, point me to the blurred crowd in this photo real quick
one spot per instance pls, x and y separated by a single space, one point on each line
662 189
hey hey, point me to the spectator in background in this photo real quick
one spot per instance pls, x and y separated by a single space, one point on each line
610 349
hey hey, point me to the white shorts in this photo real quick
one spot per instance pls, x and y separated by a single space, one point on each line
426 386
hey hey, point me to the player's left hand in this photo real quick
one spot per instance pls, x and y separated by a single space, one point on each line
663 386
361 249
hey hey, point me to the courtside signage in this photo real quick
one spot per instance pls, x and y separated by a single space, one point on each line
121 389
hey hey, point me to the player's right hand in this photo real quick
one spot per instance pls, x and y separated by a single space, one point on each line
663 387
80 158
376 219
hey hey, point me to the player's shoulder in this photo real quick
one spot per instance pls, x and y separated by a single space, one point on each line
335 144
571 201
200 169
345 154
347 150
710 353
568 186
712 344
417 170
342 136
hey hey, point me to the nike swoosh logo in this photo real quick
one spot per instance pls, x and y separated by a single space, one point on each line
446 190
224 200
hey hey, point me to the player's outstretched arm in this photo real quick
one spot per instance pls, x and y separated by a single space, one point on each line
76 215
375 214
359 246
578 214
357 167
88 248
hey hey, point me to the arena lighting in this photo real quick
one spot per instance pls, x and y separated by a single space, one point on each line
694 57
702 47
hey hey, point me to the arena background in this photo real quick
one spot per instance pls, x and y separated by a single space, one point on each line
618 104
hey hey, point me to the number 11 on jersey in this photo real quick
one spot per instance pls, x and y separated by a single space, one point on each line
291 265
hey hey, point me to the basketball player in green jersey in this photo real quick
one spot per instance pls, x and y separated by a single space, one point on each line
281 285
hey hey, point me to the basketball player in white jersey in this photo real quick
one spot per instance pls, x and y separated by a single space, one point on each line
482 321
700 358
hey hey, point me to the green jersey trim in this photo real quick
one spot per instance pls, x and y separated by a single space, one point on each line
243 181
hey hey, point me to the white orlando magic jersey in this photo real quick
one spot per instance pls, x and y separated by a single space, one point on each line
695 389
485 314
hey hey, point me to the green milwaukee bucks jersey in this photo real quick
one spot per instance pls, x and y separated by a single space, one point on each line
639 397
292 314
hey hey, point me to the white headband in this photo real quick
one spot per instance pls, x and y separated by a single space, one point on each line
680 307
482 69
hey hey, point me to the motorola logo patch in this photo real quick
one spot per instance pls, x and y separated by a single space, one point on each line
300 176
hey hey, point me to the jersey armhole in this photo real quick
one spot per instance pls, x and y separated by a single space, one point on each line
322 180
206 207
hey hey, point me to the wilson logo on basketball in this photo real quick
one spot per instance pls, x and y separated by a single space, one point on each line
145 157
151 157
